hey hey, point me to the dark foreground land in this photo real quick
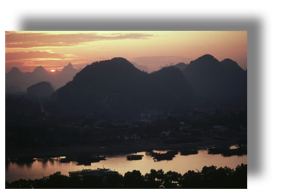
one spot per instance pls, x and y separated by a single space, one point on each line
209 177
31 132
73 141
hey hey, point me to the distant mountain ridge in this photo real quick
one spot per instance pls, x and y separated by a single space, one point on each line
181 66
117 86
16 78
141 67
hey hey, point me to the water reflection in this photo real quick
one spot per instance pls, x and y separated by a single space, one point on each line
44 164
180 163
21 162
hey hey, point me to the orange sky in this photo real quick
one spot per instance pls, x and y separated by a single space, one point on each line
54 50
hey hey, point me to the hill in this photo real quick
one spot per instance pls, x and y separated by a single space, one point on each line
115 86
40 90
217 82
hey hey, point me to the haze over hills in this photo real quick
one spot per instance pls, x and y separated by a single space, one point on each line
141 67
181 66
117 86
18 81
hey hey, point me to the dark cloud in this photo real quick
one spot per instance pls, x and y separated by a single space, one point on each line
28 40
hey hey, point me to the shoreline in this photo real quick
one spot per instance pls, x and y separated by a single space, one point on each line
115 148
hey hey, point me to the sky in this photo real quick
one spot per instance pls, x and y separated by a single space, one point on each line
55 49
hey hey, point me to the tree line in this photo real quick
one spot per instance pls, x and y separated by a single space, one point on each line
209 177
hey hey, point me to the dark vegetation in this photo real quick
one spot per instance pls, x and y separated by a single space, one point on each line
209 177
182 140
27 126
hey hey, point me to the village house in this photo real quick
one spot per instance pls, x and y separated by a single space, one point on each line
218 129
145 117
184 126
165 133
176 113
190 114
156 113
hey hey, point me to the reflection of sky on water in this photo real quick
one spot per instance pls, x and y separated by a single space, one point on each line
180 164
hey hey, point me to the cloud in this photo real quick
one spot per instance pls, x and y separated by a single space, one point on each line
29 40
14 56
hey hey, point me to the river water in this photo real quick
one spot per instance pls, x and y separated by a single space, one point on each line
179 163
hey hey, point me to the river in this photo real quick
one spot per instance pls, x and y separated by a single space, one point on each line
180 163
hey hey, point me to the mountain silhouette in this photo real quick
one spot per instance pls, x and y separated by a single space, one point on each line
39 90
14 78
117 86
69 69
15 71
217 82
21 80
181 66
39 70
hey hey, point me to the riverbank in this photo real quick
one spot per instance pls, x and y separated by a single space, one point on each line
118 148
208 177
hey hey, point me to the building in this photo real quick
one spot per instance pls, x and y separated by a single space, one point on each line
184 126
165 133
218 129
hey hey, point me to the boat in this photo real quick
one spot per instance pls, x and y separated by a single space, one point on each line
134 157
87 160
169 155
188 152
218 150
226 152
234 152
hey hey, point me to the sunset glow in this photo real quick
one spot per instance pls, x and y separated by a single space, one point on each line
162 104
54 50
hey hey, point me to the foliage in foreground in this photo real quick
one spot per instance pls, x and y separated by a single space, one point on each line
209 177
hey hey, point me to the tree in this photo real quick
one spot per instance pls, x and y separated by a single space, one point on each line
172 179
92 182
191 179
240 176
133 179
58 181
151 179
115 180
20 184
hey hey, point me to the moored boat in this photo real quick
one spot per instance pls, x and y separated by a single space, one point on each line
134 157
